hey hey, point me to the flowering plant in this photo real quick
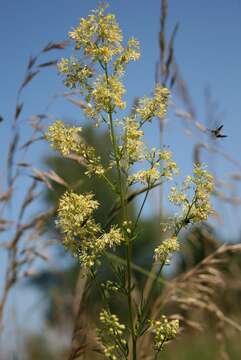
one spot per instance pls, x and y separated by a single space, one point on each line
97 71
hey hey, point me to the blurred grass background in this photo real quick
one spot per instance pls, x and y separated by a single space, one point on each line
54 284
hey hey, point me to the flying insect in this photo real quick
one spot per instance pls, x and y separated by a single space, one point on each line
217 132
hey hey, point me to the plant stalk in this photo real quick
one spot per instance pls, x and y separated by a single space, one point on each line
124 218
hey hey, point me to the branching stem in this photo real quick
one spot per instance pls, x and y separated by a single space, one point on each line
122 195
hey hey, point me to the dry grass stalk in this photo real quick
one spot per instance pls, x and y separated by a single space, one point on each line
24 246
194 292
84 339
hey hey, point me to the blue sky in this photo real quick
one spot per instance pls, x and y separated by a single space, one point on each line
207 49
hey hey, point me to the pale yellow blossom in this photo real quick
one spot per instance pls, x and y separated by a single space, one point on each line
156 106
82 234
133 141
164 251
196 206
107 95
164 330
130 53
99 36
76 73
67 140
146 177
111 331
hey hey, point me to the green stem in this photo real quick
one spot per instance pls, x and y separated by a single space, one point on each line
108 182
124 217
176 232
156 356
100 290
135 267
141 208
128 263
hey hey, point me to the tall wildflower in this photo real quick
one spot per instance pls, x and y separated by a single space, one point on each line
96 71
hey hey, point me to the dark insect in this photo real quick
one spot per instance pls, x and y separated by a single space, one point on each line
217 132
1 118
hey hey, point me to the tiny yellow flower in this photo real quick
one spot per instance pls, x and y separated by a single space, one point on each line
164 330
164 251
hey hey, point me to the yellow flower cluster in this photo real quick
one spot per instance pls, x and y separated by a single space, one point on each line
203 180
156 106
170 167
132 140
111 334
198 207
111 239
161 165
130 53
204 184
161 96
99 36
164 251
107 95
111 323
110 287
91 249
177 197
63 66
67 140
82 234
164 330
147 177
127 227
75 72
110 350
75 218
